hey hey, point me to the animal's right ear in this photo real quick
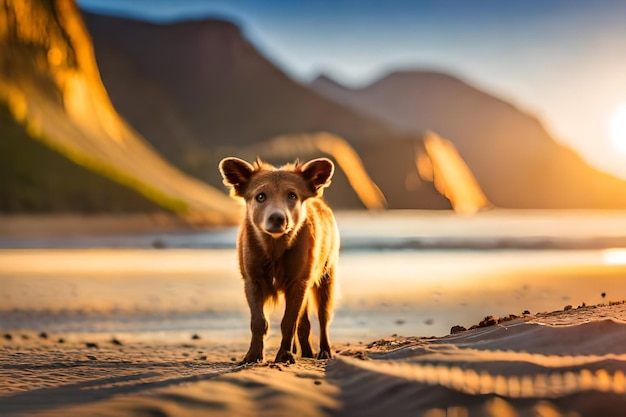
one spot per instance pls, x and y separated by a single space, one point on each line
236 173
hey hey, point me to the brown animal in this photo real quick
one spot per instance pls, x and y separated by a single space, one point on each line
288 243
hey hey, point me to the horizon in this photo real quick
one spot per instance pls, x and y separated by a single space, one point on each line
560 61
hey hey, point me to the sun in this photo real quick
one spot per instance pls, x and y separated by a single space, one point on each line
617 128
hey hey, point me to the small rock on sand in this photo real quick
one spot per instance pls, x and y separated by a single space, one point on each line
457 329
507 318
488 321
158 244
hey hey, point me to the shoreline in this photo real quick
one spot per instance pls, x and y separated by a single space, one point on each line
397 230
100 225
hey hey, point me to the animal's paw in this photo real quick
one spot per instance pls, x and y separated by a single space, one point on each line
252 357
324 354
284 357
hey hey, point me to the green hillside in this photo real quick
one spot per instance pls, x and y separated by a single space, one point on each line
63 146
36 179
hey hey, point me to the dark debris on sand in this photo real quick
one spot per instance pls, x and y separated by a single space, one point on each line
492 321
486 322
457 329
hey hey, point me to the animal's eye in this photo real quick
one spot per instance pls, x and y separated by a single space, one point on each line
292 196
260 197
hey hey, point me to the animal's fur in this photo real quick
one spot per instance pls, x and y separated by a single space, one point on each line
288 243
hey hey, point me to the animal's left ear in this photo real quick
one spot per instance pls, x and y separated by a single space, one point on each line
318 172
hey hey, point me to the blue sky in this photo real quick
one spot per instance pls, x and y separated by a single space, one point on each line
563 60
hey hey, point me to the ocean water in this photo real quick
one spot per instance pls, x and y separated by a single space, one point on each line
407 273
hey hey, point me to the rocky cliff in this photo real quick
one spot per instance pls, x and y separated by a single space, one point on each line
56 106
198 90
513 157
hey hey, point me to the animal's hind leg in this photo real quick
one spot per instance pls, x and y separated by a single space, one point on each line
304 333
324 297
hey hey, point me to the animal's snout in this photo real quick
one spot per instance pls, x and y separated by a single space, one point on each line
276 222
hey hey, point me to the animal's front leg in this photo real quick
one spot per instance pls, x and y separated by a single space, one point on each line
294 302
256 297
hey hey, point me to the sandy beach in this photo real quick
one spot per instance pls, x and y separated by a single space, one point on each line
116 326
566 363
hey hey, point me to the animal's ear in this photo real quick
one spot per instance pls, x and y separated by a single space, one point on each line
236 173
318 172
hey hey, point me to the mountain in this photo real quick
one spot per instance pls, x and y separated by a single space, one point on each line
514 159
199 91
64 147
223 88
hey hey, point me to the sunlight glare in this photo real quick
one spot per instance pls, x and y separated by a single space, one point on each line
615 256
617 129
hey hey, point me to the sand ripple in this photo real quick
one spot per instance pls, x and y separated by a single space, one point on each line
497 371
569 363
